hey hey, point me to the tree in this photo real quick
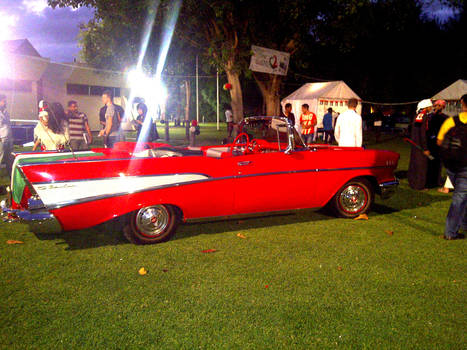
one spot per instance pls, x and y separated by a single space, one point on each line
284 27
214 28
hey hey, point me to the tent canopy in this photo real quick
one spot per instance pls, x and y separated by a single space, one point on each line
319 97
328 89
453 91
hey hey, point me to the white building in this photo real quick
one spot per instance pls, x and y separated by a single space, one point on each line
26 78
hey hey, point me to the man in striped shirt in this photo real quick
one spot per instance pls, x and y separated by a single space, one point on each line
80 133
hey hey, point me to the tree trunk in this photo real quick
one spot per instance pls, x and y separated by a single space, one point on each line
236 95
187 108
270 89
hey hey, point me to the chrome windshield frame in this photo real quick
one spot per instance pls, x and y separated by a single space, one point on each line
290 130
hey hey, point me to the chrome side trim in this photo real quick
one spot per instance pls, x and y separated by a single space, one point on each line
209 179
79 161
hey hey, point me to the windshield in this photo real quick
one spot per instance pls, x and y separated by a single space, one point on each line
272 129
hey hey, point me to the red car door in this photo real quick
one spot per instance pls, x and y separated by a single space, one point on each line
275 181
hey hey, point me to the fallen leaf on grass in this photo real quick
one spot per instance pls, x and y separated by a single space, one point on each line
165 270
339 268
142 271
239 235
209 251
362 217
12 241
390 233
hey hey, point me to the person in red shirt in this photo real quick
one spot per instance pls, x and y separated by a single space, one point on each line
307 122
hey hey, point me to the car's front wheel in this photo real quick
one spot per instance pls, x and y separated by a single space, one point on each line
153 224
353 199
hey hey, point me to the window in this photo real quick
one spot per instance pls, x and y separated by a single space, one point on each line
77 89
91 90
16 85
98 90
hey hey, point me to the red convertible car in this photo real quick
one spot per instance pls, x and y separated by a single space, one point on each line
267 169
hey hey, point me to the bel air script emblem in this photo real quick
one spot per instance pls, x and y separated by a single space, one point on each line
54 187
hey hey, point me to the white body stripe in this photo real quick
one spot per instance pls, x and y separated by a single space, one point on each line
63 192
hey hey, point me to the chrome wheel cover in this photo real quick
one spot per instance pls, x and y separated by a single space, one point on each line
353 199
152 221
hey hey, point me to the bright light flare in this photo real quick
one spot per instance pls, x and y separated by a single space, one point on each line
154 93
150 88
7 23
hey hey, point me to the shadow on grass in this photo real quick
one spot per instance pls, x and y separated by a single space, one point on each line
110 233
243 224
106 234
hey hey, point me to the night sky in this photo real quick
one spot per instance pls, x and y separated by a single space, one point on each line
54 32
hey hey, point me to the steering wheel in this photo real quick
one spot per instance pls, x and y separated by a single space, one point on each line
254 146
236 143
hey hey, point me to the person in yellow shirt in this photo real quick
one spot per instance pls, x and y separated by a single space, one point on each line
456 219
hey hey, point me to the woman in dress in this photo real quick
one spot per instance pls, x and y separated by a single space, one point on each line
45 137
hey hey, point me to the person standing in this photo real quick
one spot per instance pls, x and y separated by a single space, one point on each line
327 125
6 136
46 137
435 120
348 131
307 122
418 166
453 132
78 125
151 134
111 131
229 119
288 114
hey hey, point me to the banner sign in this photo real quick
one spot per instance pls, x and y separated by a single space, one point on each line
269 61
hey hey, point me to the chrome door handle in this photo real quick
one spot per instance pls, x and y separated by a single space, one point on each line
247 162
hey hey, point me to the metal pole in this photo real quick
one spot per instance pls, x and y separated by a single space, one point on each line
217 85
197 94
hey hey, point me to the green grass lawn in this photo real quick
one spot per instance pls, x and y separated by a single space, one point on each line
299 281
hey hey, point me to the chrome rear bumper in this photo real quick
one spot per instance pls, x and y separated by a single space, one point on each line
387 189
38 221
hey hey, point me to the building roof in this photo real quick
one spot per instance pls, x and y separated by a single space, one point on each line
20 47
453 91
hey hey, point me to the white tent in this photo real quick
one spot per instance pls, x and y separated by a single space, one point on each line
321 96
452 95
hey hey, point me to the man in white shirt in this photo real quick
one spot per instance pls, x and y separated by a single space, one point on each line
229 119
348 130
6 136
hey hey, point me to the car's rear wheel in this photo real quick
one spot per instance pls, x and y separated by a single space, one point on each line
353 199
153 224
